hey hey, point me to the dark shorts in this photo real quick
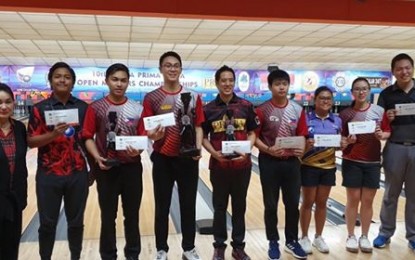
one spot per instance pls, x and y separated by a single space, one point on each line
358 174
313 177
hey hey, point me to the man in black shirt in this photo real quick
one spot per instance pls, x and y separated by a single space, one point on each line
399 152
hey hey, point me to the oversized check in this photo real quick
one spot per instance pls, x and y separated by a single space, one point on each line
236 146
405 109
292 142
152 122
68 116
136 142
362 127
327 140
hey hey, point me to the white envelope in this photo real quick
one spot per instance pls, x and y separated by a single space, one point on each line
327 140
136 142
236 146
405 109
152 122
362 127
291 142
69 116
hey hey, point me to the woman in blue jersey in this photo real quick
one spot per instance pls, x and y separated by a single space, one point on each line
318 169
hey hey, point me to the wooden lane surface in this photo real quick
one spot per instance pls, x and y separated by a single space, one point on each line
31 208
254 213
256 247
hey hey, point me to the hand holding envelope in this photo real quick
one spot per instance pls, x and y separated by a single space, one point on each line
295 143
327 140
68 116
238 147
151 122
135 142
405 109
362 127
291 142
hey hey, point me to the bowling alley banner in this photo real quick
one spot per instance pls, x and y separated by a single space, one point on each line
251 84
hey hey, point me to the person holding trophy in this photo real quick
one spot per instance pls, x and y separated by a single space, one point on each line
176 152
229 118
118 171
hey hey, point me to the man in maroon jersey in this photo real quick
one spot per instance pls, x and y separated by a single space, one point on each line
61 172
169 166
119 172
229 118
280 168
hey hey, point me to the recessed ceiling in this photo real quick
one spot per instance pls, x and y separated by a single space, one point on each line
99 40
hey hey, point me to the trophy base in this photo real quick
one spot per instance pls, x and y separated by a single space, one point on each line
191 152
231 156
112 162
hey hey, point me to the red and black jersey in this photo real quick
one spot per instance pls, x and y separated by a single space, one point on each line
159 102
63 155
8 143
240 114
277 121
367 147
104 116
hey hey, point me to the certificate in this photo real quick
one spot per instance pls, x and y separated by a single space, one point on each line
327 140
236 146
291 142
362 127
152 122
405 109
136 142
68 116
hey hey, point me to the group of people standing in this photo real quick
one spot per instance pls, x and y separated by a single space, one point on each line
306 172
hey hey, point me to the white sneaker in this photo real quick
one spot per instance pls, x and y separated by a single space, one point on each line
365 244
305 243
320 244
161 255
190 255
352 245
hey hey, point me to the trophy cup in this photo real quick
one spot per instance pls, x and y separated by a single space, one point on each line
230 131
187 134
112 122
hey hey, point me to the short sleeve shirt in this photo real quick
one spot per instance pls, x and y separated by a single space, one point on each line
322 157
243 119
276 121
367 147
64 155
159 102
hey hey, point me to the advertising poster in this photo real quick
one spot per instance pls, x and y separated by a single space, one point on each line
250 84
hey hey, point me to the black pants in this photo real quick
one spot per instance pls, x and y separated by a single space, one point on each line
166 171
279 174
50 190
225 183
125 180
10 232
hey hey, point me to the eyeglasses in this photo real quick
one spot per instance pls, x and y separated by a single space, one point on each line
364 90
170 66
325 98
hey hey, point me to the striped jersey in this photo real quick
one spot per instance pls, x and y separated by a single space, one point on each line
276 121
159 102
322 157
367 147
103 117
